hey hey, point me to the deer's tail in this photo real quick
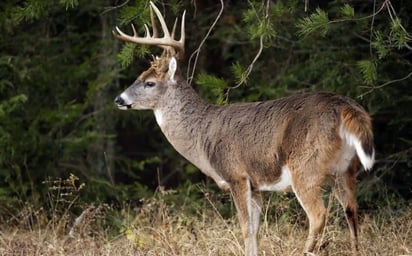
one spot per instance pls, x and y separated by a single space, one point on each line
356 129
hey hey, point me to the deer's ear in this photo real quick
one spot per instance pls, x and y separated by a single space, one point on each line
172 68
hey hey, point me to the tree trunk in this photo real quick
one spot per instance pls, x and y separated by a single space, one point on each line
101 155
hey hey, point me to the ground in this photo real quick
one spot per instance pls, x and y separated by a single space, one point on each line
158 228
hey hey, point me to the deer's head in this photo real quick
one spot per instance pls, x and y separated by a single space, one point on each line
152 84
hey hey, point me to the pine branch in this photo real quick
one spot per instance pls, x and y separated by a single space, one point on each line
368 70
347 11
126 55
316 22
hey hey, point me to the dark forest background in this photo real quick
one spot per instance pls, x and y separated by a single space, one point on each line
60 69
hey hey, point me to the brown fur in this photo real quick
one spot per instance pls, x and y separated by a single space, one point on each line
351 119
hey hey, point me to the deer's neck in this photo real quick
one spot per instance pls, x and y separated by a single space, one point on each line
180 116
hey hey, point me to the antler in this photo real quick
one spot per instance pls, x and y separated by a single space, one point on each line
167 42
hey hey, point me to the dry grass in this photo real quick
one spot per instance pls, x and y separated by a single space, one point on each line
156 228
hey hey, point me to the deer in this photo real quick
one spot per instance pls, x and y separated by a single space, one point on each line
295 143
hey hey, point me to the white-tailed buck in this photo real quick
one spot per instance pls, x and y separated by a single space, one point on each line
293 143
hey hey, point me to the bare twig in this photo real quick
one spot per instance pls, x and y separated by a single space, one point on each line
372 88
111 8
196 53
249 69
371 28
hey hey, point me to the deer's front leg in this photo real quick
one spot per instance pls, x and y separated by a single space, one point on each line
248 205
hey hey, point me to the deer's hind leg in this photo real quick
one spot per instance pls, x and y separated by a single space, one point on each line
306 184
248 205
345 193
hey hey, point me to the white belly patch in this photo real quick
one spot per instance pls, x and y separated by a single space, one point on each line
282 184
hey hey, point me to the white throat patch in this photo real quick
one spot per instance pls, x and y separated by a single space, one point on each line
159 117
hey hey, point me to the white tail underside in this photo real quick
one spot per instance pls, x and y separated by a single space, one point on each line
366 160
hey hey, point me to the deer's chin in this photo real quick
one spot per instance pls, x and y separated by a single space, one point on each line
124 107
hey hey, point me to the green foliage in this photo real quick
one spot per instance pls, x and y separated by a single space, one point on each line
257 23
70 3
399 37
9 105
126 55
30 11
380 45
316 23
238 73
347 11
214 85
129 51
138 11
368 70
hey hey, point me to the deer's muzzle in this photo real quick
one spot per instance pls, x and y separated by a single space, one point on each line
121 103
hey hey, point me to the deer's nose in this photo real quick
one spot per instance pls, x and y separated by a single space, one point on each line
119 101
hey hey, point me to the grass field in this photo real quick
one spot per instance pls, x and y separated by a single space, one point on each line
158 227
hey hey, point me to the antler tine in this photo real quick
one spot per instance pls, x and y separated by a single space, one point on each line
180 48
148 31
167 42
154 27
182 30
120 34
174 28
134 30
161 20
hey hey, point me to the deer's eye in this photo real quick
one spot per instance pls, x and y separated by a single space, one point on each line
149 84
